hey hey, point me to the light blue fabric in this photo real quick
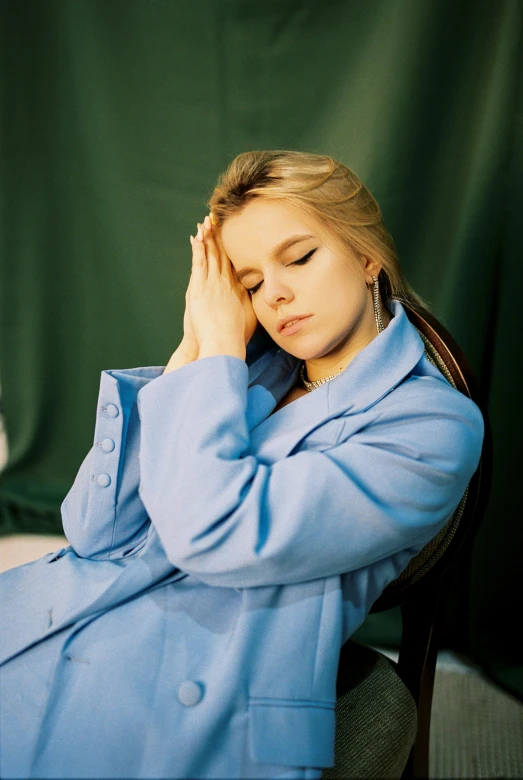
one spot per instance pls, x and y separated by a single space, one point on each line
193 627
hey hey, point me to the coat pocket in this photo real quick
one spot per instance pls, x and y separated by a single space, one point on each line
291 732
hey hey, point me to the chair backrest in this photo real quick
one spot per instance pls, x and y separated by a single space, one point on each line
435 558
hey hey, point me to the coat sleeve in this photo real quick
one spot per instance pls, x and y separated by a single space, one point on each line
103 516
234 521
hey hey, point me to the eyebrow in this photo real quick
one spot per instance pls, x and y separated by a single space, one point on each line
278 250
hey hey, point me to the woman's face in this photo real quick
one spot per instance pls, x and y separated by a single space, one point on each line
291 272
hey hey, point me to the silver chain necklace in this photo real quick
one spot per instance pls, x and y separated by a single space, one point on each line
311 385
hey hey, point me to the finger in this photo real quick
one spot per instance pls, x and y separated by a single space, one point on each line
226 263
216 249
214 259
199 257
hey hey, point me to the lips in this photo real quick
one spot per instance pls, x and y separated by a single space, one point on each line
287 320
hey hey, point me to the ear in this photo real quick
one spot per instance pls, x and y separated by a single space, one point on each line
371 267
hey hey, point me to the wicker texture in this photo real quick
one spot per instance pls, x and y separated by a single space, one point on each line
375 719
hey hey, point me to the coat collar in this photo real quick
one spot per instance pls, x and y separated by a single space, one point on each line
376 370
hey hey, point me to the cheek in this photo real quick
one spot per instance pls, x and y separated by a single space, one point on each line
340 291
261 312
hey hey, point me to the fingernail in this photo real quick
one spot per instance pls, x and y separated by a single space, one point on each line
207 222
199 234
191 239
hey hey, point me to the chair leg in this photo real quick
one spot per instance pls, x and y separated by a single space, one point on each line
416 667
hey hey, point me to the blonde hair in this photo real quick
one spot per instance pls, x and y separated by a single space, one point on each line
316 186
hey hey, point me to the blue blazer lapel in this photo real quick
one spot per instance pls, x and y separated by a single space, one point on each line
376 370
379 367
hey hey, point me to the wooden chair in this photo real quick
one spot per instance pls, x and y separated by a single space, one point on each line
383 708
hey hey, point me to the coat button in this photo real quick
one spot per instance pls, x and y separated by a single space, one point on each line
104 480
108 445
190 693
112 410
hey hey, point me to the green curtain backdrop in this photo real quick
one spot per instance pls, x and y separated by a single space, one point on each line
116 118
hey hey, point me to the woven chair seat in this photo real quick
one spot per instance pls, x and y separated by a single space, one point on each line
376 718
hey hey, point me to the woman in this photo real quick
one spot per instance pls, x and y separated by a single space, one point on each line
241 509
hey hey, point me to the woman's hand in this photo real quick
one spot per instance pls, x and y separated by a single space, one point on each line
189 343
188 350
221 316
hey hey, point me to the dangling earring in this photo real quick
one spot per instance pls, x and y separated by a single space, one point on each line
376 304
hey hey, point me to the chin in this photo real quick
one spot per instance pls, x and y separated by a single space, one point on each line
303 351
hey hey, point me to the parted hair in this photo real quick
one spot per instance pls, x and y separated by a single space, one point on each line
325 190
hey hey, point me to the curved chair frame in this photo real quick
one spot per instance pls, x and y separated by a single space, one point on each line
435 558
418 589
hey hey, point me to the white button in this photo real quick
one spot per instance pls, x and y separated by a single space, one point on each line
190 693
104 480
108 445
112 410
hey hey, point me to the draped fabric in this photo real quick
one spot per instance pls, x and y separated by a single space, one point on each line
117 117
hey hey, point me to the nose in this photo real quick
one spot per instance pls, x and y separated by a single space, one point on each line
275 290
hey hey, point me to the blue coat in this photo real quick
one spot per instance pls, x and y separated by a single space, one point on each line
220 556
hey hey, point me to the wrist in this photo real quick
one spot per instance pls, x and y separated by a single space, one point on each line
232 348
182 356
189 348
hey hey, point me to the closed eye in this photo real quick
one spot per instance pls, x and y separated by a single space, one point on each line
301 261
